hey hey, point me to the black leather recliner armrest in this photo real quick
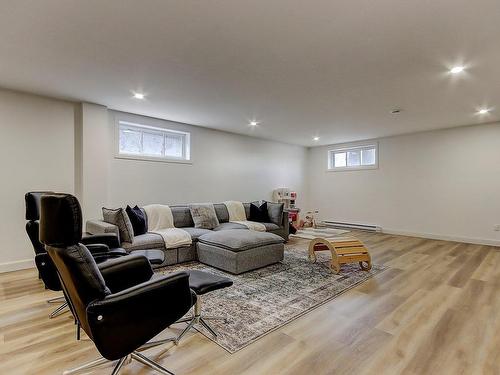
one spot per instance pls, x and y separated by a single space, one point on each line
101 252
97 248
109 239
162 300
124 272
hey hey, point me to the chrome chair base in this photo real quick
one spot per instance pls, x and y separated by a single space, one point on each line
197 318
61 309
136 355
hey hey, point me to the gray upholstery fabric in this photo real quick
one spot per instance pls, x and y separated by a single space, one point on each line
239 239
204 215
186 253
240 261
145 216
170 257
101 227
145 241
226 226
182 216
275 211
271 226
247 209
196 232
222 213
183 219
119 218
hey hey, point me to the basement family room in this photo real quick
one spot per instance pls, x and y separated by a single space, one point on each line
250 187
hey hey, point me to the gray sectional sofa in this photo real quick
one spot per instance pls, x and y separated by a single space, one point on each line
235 260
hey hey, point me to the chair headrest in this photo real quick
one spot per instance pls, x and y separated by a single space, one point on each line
32 199
60 220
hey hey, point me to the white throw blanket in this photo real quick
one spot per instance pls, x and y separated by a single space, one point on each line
161 221
237 215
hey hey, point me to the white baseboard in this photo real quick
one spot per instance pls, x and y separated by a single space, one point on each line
17 265
476 241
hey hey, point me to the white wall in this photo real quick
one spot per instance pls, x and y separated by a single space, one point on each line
95 149
36 153
440 184
48 144
224 166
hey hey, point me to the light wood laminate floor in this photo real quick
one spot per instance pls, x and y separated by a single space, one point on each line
435 311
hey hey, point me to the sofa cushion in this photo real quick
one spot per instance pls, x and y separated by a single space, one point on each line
138 219
271 226
196 232
119 218
259 213
275 211
247 209
229 225
222 213
204 215
145 241
239 239
182 216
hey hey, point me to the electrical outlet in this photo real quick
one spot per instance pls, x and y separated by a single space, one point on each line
497 228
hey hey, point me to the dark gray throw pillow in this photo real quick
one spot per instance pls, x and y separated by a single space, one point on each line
275 211
119 218
204 215
138 219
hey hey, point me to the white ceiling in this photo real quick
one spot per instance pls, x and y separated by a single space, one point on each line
332 69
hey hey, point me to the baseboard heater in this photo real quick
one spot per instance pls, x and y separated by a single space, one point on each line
339 224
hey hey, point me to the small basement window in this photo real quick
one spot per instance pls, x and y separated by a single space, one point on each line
362 156
145 142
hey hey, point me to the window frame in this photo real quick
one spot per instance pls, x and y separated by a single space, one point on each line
351 147
186 146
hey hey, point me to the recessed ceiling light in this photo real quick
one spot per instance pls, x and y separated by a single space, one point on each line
139 95
316 139
457 69
253 123
483 111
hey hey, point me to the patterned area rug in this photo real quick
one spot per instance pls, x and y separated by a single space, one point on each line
263 300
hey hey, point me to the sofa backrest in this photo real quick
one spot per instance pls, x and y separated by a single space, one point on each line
182 214
222 213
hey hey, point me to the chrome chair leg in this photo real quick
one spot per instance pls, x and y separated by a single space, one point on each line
207 327
119 365
56 300
198 318
86 366
124 361
60 310
152 344
190 325
147 362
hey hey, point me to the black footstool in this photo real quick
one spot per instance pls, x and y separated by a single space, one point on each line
201 283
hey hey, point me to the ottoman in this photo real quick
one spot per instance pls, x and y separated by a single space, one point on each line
240 250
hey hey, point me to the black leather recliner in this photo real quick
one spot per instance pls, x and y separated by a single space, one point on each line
103 247
121 306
